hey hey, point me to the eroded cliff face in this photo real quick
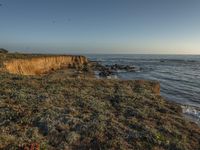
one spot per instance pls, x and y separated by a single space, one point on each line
41 65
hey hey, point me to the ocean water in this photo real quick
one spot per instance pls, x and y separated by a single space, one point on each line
179 76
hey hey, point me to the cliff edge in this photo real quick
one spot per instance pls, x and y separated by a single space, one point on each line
56 111
41 65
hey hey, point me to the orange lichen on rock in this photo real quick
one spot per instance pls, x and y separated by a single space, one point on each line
40 65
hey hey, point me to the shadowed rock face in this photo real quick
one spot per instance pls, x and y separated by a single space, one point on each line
40 65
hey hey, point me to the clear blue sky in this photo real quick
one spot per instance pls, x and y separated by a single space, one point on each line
101 26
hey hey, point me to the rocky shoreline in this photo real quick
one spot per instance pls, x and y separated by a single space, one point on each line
70 109
105 71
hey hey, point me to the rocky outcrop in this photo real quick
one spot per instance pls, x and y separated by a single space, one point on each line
3 51
109 70
41 65
117 67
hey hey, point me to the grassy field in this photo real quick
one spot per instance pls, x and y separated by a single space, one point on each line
57 111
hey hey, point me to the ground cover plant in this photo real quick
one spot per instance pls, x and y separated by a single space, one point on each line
61 112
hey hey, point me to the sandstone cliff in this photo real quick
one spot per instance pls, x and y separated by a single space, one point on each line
40 65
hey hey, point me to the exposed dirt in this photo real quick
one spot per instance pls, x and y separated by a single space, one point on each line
41 65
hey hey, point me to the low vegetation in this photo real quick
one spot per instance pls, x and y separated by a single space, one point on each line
61 112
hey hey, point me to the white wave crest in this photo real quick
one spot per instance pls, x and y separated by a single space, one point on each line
194 112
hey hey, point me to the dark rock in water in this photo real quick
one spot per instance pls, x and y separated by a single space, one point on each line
4 51
96 65
109 70
130 68
106 72
117 67
162 60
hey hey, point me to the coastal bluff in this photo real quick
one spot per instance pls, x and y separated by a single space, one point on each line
70 108
43 64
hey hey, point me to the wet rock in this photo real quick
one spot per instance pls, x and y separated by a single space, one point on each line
106 72
97 66
109 70
128 68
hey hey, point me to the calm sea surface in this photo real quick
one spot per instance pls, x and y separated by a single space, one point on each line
179 75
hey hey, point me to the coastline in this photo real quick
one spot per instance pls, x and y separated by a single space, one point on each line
61 110
177 75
